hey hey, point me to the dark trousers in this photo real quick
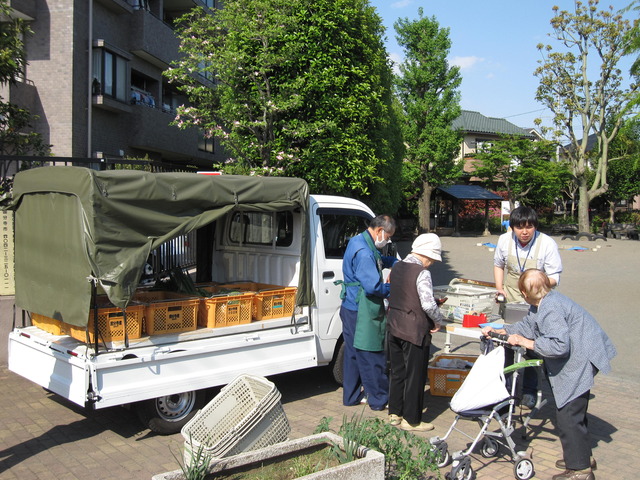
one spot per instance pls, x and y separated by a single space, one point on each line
363 372
573 430
408 377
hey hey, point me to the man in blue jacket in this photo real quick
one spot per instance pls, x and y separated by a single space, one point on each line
363 315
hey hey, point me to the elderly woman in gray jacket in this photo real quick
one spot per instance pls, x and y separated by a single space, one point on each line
574 349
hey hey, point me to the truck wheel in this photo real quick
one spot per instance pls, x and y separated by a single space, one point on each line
167 415
337 364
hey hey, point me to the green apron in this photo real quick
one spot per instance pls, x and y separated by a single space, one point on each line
371 323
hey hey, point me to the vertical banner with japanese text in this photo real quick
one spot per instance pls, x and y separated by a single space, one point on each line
7 283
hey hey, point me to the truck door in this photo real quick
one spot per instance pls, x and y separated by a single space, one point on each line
335 227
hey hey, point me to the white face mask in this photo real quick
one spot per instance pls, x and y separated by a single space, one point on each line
381 243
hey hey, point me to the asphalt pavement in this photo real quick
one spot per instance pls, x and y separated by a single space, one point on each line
45 437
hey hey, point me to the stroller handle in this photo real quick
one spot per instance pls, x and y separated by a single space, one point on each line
499 336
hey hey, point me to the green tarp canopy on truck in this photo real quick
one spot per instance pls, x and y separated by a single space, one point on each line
75 225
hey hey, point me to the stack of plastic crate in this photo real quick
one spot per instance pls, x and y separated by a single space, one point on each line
465 298
245 415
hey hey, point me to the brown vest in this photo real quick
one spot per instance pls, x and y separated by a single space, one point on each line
406 319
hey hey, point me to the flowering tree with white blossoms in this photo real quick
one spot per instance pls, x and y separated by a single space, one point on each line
297 88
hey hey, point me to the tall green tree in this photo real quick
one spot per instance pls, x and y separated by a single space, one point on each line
586 95
300 87
526 169
632 44
428 88
624 166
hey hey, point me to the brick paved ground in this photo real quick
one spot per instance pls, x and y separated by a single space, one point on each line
44 437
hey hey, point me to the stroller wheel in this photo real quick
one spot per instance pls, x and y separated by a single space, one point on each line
442 455
489 448
523 469
462 470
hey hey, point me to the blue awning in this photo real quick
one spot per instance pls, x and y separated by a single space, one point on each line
469 192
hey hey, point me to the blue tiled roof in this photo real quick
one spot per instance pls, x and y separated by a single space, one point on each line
469 192
474 122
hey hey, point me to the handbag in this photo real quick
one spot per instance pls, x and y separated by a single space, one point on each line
484 385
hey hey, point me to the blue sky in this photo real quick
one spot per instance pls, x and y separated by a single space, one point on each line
494 43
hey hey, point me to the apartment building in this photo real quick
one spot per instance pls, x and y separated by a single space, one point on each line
94 78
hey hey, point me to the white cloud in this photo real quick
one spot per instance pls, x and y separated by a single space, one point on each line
395 57
466 63
401 4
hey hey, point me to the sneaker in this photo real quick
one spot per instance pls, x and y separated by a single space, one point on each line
528 401
394 419
563 466
363 401
420 427
585 474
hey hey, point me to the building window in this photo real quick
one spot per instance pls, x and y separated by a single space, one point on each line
109 74
204 69
172 98
206 144
483 144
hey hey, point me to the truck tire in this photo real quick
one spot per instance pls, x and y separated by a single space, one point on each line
168 414
337 364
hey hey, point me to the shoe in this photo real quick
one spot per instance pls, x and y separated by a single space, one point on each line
394 419
380 409
363 401
585 474
528 401
563 466
420 427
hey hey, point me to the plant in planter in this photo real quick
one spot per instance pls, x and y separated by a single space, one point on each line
407 456
195 468
368 464
361 446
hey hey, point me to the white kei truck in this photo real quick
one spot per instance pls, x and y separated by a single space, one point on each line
81 234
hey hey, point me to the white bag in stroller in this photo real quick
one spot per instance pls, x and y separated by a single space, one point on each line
484 385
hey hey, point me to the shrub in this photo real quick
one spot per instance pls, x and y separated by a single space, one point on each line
628 217
407 455
475 223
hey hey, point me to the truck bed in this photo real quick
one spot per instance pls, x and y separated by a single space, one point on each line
159 365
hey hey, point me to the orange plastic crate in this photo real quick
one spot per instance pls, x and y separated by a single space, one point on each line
111 324
274 303
445 382
225 310
168 312
270 301
49 325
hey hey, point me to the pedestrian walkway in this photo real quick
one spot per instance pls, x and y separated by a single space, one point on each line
46 438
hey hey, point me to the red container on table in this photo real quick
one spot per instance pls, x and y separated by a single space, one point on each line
473 320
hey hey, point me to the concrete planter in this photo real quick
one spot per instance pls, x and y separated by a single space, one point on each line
370 465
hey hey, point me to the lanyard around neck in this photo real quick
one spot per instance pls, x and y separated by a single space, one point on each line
535 235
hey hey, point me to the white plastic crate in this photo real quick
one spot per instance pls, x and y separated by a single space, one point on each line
465 298
245 415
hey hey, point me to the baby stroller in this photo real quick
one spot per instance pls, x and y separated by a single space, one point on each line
504 414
